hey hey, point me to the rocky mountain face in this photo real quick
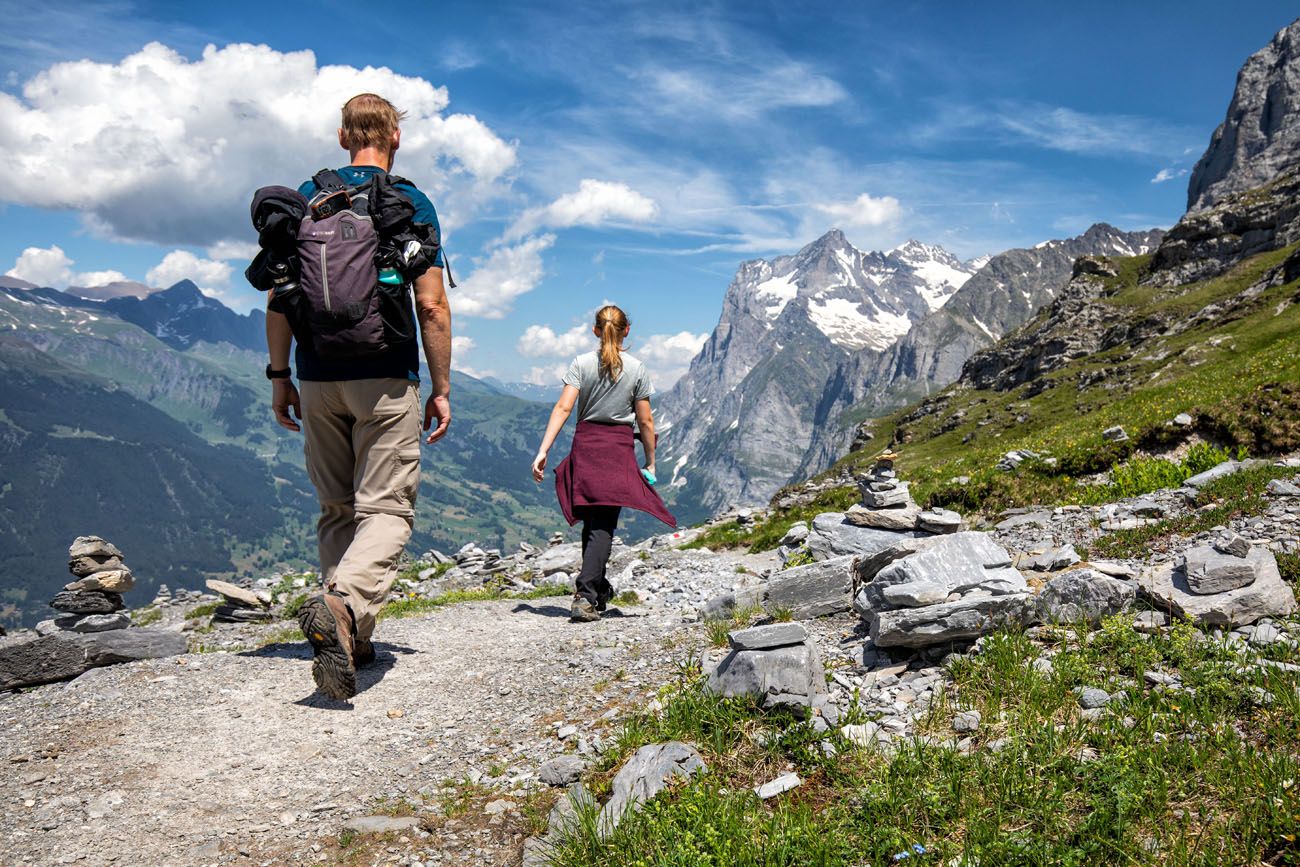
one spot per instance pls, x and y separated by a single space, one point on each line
182 316
740 419
1004 293
1259 140
1084 319
1244 199
808 345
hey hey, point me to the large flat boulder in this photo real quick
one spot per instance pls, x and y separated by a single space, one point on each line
1210 571
832 536
64 655
1165 585
768 636
958 562
559 558
1219 471
951 621
236 594
816 590
903 517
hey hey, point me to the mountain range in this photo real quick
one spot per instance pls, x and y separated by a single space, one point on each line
142 416
146 420
809 345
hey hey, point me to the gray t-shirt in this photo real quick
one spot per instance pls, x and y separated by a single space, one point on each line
601 400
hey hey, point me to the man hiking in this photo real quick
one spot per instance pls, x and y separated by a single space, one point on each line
358 363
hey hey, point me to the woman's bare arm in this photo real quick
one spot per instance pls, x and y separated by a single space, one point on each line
559 415
645 420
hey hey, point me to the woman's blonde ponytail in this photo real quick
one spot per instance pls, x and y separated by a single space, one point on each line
612 324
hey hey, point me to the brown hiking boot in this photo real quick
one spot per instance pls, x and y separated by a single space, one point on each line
363 653
327 623
583 611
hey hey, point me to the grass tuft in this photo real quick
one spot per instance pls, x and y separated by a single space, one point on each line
207 609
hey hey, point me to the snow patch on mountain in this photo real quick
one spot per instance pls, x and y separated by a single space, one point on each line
847 325
775 293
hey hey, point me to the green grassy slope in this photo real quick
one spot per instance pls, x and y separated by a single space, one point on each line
80 456
1237 372
194 428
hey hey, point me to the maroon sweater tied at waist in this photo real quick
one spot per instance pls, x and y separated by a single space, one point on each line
601 470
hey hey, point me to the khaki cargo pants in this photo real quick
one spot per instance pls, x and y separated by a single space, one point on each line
362 442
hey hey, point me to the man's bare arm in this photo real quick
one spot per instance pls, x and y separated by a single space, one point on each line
434 314
284 394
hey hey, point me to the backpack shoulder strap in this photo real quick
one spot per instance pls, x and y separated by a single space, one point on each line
328 179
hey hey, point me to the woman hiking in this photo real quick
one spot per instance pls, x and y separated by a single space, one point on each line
599 477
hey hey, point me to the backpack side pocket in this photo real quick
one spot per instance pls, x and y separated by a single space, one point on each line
396 313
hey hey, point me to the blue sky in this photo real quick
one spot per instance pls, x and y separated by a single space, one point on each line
579 152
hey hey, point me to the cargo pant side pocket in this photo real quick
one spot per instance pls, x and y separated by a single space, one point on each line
406 475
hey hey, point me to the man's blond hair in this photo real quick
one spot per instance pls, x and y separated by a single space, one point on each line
369 120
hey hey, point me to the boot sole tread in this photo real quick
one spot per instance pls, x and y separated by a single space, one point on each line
331 666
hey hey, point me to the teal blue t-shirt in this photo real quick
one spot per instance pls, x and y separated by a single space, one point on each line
400 362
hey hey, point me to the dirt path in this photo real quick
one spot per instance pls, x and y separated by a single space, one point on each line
232 758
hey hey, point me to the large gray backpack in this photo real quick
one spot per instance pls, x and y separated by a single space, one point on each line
348 311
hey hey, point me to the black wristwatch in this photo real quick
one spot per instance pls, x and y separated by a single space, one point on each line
272 373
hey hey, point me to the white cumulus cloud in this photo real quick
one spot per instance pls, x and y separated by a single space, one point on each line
50 266
1168 175
593 203
209 274
507 272
161 148
865 210
668 355
553 375
542 341
244 250
90 279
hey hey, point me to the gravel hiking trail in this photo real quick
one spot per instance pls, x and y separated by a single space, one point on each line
222 758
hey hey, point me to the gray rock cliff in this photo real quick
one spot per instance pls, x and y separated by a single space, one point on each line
1259 138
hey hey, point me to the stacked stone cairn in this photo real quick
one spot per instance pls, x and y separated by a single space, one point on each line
240 605
472 558
887 503
91 629
93 601
914 575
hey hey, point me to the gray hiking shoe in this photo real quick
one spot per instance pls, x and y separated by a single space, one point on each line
583 611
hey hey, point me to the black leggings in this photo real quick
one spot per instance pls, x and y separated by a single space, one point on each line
598 526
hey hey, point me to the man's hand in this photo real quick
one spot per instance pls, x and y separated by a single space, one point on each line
539 467
284 394
439 407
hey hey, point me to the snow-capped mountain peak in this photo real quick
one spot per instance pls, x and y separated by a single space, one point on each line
856 299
